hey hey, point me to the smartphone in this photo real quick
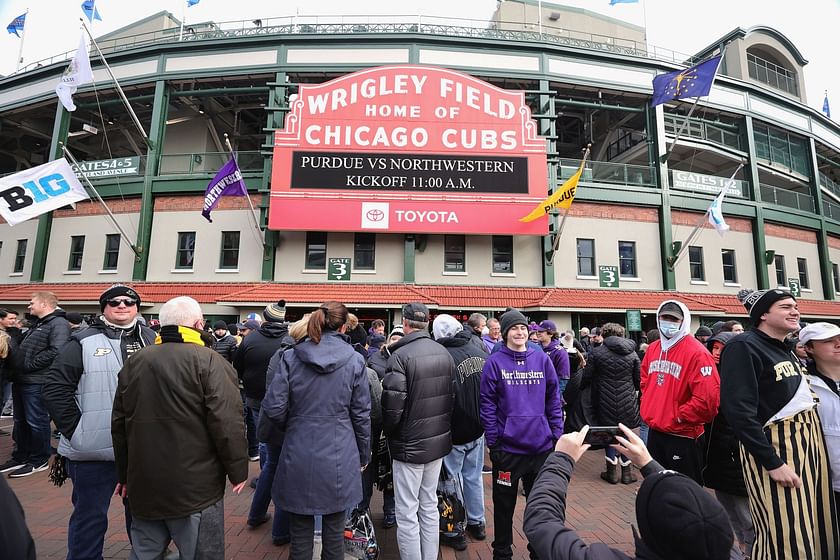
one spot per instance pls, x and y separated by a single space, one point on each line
602 435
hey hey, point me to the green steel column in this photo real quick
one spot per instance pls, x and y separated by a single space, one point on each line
655 125
277 107
147 203
547 119
61 126
759 244
822 236
408 261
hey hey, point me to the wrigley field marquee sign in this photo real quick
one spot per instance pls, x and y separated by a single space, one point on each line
408 149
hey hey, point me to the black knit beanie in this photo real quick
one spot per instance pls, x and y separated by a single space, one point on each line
509 319
679 520
115 291
757 303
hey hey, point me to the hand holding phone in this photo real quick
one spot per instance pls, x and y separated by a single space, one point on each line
602 435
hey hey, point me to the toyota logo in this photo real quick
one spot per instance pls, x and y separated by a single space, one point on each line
375 215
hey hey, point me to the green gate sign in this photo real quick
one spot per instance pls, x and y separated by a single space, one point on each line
608 276
339 269
634 320
795 288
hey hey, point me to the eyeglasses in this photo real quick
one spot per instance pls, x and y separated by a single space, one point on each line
117 302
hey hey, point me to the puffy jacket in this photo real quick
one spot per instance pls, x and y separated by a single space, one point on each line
254 353
80 389
39 347
226 346
378 361
417 399
321 399
613 371
469 361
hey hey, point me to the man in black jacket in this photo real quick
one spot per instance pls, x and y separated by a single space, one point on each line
32 361
417 400
467 455
223 342
79 394
677 519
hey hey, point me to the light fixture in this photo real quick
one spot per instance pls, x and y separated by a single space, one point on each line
201 109
769 256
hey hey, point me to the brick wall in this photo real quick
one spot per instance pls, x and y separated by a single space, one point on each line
196 203
614 212
94 208
787 232
683 218
833 242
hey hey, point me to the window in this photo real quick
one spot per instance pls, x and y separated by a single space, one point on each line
768 72
364 251
586 257
112 251
802 265
730 274
229 257
695 264
835 273
503 254
316 250
781 275
20 255
77 250
454 253
186 250
627 259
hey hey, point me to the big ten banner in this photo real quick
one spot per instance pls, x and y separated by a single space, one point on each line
409 149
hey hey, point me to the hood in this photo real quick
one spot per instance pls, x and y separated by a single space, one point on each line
460 339
723 338
685 328
620 345
518 356
273 330
333 352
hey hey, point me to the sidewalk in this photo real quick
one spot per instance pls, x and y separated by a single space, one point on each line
599 511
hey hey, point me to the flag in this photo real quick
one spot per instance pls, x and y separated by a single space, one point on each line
562 198
89 8
17 24
826 109
78 73
227 182
191 3
679 84
716 212
614 2
38 190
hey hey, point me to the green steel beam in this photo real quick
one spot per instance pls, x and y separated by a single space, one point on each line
147 203
822 238
409 265
220 91
594 105
759 243
277 97
61 126
547 127
656 128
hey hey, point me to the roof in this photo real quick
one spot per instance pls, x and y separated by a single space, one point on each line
257 294
740 33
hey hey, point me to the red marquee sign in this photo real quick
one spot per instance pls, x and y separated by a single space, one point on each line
412 149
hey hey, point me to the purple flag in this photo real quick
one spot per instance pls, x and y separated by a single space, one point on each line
227 182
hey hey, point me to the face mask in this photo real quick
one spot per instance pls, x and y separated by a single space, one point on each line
668 329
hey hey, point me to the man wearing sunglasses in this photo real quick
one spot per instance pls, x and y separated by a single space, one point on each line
79 394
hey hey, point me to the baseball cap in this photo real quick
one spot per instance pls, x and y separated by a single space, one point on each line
251 325
416 311
818 331
671 308
547 326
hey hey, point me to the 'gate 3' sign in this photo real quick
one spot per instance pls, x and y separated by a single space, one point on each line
408 149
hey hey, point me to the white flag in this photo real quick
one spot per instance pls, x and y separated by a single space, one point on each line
77 74
39 190
716 212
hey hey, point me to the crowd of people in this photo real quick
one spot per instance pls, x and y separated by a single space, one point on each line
167 415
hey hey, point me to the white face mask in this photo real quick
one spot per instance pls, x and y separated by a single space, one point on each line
668 328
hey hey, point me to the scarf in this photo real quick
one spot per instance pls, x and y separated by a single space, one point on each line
178 333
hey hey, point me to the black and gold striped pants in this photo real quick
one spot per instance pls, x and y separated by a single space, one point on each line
793 523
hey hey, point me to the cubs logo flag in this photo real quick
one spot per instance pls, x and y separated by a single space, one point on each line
693 82
39 190
227 182
77 73
563 198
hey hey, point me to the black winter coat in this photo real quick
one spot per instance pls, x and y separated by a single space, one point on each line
226 346
469 361
254 353
39 347
417 399
378 361
613 370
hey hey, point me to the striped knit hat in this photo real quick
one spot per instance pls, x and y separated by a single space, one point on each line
758 302
275 312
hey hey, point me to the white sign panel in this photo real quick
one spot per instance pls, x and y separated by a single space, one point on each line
39 190
108 167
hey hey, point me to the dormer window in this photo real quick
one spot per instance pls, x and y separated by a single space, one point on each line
765 68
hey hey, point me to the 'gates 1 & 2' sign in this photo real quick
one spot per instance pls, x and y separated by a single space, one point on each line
408 149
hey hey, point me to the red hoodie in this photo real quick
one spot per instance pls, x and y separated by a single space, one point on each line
680 387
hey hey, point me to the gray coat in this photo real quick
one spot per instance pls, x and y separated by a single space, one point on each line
320 397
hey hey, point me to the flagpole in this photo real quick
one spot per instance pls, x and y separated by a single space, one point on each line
183 15
556 244
672 262
248 196
22 37
99 198
119 88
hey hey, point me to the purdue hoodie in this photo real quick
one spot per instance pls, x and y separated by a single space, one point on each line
679 382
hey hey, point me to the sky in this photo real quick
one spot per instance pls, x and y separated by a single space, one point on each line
685 26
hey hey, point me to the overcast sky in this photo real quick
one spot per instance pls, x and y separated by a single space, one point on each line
686 26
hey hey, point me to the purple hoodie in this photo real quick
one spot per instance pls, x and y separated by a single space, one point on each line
521 409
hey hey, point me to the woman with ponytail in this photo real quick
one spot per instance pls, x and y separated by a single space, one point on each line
320 397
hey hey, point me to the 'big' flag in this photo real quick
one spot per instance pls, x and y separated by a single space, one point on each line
39 190
679 84
227 182
562 198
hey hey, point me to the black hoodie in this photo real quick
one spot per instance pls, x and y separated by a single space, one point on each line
469 361
252 357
